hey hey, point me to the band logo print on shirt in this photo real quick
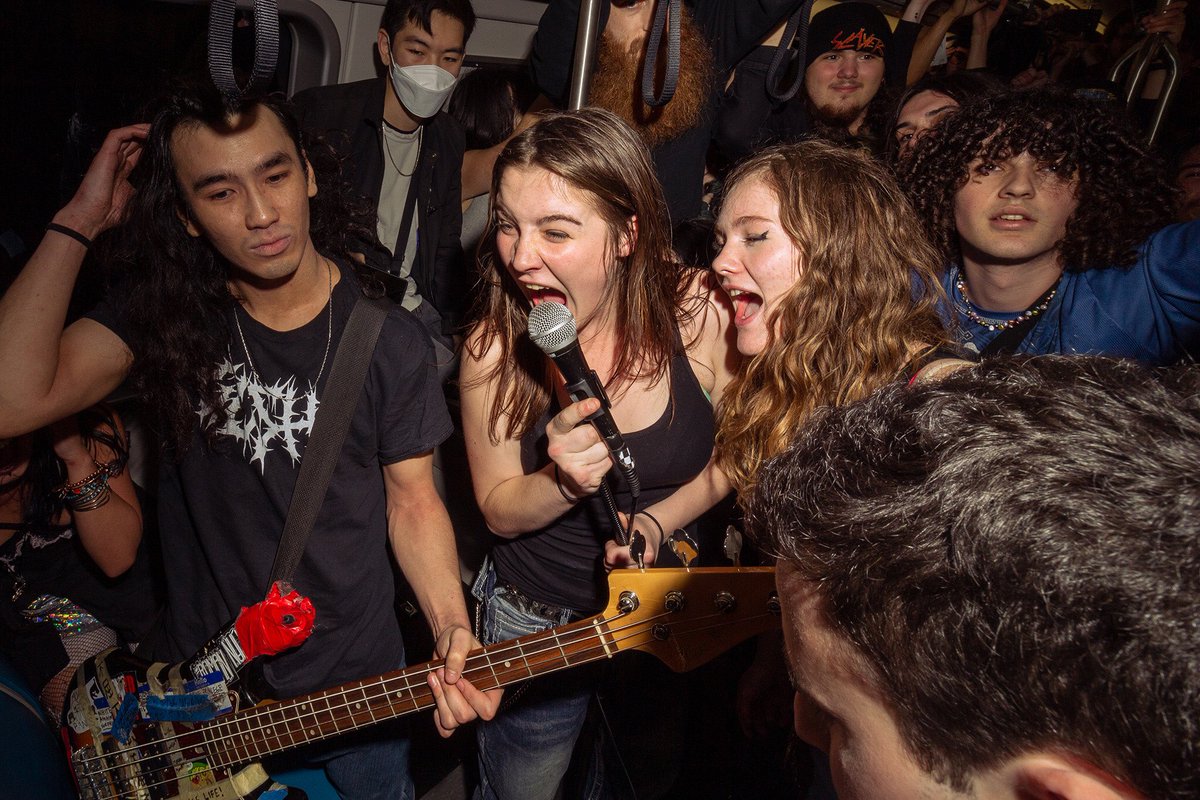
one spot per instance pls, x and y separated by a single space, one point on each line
265 419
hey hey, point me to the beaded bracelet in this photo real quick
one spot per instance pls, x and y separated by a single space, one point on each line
561 490
93 501
68 490
91 492
87 494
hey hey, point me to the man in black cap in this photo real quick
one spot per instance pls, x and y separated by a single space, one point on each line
844 63
851 53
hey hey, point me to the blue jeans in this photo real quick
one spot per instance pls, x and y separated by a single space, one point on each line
526 749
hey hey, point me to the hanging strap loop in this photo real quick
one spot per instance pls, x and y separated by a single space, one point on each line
797 25
668 17
221 17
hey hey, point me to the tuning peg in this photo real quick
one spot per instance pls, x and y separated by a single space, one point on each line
684 547
637 549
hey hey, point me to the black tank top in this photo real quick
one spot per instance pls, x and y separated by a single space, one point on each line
562 564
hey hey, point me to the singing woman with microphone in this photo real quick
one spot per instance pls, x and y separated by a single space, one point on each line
579 219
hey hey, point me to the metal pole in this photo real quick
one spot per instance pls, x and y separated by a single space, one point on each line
587 36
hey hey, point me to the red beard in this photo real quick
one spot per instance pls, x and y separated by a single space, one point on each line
617 85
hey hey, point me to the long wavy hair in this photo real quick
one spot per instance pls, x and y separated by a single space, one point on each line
596 154
175 296
863 310
1124 195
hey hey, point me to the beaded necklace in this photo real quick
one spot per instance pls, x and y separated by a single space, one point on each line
1003 324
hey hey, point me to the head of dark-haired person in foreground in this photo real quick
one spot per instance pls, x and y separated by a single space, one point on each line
990 583
1050 214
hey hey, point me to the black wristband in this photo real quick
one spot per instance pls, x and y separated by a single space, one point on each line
561 490
662 535
74 234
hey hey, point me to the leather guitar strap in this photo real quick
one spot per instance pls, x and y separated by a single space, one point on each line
343 387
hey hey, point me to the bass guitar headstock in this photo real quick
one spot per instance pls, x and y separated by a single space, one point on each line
688 617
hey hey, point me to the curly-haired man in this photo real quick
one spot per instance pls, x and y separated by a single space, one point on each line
1051 215
990 583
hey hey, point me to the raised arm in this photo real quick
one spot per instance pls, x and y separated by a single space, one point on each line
111 531
51 373
931 38
983 22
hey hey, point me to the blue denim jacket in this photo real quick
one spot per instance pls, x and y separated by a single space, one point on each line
1149 311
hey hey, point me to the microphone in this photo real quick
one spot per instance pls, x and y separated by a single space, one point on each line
552 328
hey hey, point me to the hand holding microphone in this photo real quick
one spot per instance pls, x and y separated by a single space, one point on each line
552 328
579 454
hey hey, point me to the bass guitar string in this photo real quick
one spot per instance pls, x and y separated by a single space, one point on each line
242 761
617 635
590 653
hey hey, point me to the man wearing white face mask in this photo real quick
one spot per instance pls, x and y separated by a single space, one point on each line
404 154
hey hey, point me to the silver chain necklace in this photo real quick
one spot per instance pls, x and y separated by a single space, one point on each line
387 147
328 341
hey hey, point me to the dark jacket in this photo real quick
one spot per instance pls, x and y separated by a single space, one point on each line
349 116
732 28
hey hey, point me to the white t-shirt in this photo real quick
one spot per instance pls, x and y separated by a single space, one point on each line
400 153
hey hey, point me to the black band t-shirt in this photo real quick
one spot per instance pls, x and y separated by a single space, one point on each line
222 509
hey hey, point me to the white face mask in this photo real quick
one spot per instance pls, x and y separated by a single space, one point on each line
422 88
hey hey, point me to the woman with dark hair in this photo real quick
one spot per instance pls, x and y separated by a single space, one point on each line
70 526
489 102
928 101
579 219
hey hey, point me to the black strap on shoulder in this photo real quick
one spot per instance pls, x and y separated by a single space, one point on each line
668 16
1009 339
796 30
221 15
343 387
406 220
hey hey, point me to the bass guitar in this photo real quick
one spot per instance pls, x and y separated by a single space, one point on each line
683 617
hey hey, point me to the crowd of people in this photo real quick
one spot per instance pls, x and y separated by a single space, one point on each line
927 314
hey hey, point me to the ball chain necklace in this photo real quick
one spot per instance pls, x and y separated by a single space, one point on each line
1003 324
328 341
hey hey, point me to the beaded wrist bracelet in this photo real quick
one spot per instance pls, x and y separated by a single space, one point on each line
89 493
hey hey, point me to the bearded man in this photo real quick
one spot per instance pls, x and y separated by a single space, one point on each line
851 54
714 36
